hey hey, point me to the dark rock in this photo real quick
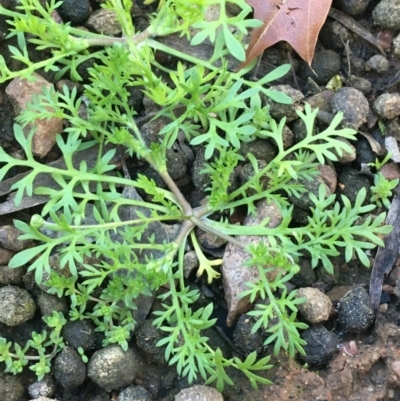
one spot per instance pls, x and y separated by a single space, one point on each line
353 104
326 64
393 129
79 333
260 148
247 172
48 303
16 305
364 152
352 7
147 337
306 276
300 131
288 111
69 370
245 339
321 345
200 181
333 34
9 239
176 163
134 393
352 182
304 202
11 388
76 11
322 100
5 256
151 174
355 311
112 368
11 276
360 83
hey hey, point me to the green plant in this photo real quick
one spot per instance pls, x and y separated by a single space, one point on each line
212 106
382 188
20 356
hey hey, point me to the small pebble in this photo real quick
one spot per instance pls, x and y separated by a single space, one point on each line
353 104
388 105
355 311
317 307
377 63
321 345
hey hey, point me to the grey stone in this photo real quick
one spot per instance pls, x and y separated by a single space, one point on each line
245 339
147 336
279 110
377 63
353 104
360 83
387 14
134 393
199 393
111 368
69 370
9 239
11 276
43 388
48 303
260 148
396 45
325 65
16 305
235 274
387 105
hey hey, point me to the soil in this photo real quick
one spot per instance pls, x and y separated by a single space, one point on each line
365 365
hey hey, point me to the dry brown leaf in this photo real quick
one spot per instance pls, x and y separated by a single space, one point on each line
298 22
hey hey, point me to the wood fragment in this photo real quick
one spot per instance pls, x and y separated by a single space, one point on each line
386 256
349 23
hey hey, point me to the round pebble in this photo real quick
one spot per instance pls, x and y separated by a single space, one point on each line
388 105
16 305
112 368
353 104
321 345
317 307
355 311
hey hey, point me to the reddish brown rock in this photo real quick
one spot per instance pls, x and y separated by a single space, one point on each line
21 91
